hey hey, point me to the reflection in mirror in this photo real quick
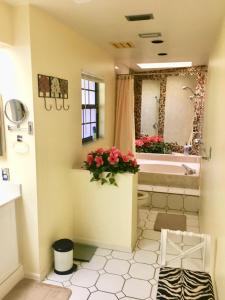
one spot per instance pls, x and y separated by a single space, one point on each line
15 111
181 105
179 109
150 107
2 140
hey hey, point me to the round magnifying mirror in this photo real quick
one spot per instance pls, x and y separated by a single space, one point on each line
15 111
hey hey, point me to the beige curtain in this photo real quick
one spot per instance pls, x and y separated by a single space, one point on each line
124 126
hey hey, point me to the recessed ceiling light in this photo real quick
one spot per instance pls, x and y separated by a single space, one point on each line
162 53
116 68
144 17
157 41
179 64
150 35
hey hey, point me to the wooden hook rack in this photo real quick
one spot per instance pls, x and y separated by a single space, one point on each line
50 87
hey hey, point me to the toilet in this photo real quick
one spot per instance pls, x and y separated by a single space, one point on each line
143 199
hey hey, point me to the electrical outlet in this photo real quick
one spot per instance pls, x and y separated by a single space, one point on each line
5 174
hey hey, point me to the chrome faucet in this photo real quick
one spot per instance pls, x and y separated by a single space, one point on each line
188 170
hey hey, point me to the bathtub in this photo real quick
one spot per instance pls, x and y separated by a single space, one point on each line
167 170
164 167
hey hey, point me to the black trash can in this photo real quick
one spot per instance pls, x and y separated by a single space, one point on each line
63 257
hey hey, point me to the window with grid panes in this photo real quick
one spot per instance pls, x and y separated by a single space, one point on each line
90 110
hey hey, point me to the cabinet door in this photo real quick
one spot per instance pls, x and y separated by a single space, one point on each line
8 241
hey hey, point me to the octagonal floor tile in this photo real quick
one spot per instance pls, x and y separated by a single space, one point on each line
141 224
128 298
66 283
102 296
110 283
151 245
136 288
139 232
149 225
96 263
117 266
154 291
103 252
146 257
122 255
85 278
157 270
142 271
79 293
151 235
92 289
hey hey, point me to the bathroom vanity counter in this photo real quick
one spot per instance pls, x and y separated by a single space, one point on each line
9 192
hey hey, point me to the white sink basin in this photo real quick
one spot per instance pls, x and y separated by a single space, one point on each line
9 192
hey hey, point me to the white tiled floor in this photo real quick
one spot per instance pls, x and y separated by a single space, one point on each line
113 275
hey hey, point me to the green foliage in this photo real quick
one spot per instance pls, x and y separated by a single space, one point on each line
105 164
159 147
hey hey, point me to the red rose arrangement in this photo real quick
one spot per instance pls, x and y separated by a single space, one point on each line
151 144
105 164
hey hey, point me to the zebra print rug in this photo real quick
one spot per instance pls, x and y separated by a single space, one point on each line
182 284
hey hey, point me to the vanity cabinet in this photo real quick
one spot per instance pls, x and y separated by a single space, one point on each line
9 254
9 258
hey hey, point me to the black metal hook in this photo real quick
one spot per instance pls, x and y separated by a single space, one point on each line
65 107
56 105
47 108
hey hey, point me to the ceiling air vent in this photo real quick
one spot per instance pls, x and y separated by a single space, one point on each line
123 45
140 17
150 35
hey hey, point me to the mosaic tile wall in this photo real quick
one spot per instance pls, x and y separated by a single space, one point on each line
201 76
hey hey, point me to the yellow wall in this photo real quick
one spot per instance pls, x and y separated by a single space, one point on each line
58 50
16 82
47 46
213 172
101 212
6 24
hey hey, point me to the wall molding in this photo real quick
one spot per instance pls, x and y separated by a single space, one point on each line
34 276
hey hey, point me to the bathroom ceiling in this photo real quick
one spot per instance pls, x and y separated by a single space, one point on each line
188 27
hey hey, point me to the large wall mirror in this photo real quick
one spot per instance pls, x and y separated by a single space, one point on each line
2 136
170 103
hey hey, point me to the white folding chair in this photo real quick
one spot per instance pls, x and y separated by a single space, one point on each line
204 244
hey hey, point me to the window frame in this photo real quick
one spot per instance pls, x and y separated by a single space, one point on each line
90 107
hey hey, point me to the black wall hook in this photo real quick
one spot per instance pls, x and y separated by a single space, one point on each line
56 105
47 108
65 107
